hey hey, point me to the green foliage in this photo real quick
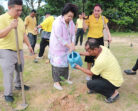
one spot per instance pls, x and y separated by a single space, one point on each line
123 14
25 12
1 9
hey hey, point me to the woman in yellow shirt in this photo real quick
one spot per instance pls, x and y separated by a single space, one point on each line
95 25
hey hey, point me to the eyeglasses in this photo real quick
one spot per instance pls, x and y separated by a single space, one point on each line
87 49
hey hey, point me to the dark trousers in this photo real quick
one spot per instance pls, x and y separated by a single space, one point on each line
90 59
135 68
60 73
80 33
43 44
32 40
102 86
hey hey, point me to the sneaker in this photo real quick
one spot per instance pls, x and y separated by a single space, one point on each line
69 82
9 98
130 72
58 87
39 57
25 88
35 60
88 78
112 99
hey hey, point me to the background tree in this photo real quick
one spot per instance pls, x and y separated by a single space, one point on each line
123 14
25 11
1 9
31 3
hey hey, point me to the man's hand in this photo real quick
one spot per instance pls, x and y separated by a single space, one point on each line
4 32
36 30
14 24
77 66
31 50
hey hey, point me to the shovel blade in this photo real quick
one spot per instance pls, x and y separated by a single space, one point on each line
21 107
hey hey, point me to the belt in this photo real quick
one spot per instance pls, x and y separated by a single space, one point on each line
12 50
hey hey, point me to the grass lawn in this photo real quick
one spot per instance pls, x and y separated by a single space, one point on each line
43 97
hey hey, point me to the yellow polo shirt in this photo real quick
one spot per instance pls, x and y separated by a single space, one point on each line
95 26
47 24
9 42
31 23
79 23
107 66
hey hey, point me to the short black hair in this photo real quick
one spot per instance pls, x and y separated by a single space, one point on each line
15 2
47 13
70 7
33 11
92 44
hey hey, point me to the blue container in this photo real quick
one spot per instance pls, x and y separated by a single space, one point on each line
74 58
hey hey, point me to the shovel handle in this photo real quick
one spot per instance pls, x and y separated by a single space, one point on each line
108 44
20 66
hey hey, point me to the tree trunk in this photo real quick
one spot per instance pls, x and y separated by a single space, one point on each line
39 1
32 5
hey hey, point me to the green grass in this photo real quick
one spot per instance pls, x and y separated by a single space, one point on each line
95 107
126 34
39 77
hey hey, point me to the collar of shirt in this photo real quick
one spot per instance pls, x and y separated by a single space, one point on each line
93 18
10 17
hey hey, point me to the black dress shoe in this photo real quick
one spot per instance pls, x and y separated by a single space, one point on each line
130 72
25 88
111 100
9 98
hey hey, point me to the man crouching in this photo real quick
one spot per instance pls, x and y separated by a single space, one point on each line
106 73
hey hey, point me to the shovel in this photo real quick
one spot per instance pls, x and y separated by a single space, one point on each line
23 105
108 44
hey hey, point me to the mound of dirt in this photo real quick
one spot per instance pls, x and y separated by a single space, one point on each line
66 103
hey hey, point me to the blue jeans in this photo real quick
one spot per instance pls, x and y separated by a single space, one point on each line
32 39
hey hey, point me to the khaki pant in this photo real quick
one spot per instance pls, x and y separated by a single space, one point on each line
8 63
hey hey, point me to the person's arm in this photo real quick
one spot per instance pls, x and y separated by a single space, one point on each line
70 46
44 23
4 32
28 43
108 32
37 27
85 26
26 21
84 54
59 33
76 28
107 29
86 71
